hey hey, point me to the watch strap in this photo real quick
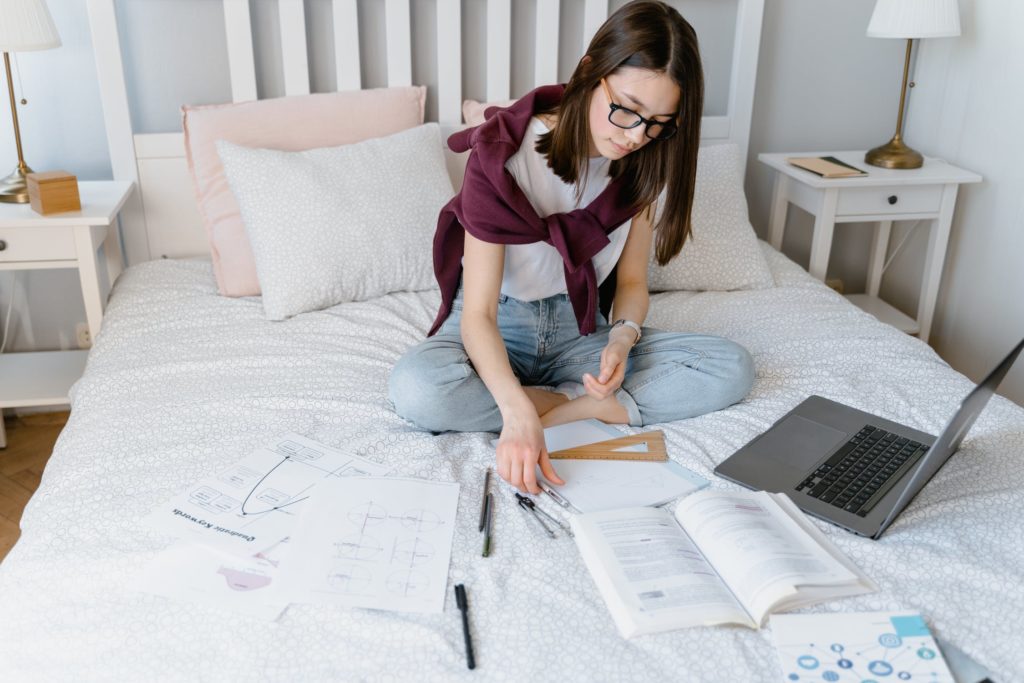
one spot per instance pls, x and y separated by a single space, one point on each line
622 322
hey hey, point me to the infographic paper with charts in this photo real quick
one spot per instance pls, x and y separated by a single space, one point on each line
859 647
255 503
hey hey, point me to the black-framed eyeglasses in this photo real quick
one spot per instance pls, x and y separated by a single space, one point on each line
627 118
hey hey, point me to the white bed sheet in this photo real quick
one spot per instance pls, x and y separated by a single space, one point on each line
182 382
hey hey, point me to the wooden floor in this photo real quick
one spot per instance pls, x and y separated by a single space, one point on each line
30 440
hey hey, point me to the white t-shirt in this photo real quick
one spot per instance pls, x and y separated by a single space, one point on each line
535 271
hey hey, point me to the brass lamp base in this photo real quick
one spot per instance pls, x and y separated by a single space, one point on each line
14 188
894 154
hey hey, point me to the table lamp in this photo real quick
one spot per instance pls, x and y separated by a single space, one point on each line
908 19
24 25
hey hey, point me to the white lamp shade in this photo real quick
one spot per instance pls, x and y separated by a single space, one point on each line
26 25
914 19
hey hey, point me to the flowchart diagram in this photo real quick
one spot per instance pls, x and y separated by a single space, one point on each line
254 503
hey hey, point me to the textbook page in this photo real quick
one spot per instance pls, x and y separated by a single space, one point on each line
650 574
761 553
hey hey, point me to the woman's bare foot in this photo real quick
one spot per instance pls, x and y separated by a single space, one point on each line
609 410
544 401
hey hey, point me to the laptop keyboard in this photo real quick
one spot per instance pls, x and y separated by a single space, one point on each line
863 470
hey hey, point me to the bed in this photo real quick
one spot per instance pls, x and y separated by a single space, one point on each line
183 381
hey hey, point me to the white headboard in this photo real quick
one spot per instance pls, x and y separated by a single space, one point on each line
162 219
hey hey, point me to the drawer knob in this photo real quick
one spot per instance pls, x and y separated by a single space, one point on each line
893 199
3 245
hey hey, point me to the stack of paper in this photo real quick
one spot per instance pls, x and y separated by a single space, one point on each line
594 485
298 521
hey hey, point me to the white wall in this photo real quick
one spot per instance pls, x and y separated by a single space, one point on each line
967 108
822 84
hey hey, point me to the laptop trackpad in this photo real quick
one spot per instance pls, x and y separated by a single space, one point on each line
799 443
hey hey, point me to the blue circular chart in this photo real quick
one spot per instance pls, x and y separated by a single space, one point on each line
890 640
807 662
880 668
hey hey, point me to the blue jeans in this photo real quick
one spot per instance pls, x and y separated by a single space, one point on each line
669 376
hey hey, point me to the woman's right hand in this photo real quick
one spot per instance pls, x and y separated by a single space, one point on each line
520 449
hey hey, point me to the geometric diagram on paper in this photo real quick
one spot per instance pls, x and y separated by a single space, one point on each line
212 499
367 514
411 552
358 547
407 583
420 520
349 578
243 581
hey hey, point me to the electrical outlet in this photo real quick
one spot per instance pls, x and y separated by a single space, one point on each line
82 336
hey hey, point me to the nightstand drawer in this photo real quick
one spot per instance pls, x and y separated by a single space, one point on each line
40 244
865 201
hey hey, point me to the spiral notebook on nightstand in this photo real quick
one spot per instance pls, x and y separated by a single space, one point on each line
827 167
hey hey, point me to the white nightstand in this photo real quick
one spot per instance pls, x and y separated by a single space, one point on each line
64 240
883 196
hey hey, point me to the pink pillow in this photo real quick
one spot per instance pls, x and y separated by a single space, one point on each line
289 124
473 111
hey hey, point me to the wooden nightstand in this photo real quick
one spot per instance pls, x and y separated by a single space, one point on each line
74 239
883 196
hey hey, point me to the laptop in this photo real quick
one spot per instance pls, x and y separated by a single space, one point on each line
852 468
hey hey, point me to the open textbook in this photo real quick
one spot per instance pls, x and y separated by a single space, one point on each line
721 558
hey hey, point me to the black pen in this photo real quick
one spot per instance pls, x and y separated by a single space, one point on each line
483 501
463 604
489 515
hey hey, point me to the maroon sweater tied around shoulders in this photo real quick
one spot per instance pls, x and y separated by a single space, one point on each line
493 208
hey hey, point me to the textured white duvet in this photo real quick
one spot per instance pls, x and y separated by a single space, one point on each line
182 382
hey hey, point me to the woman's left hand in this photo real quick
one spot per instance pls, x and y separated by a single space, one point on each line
613 365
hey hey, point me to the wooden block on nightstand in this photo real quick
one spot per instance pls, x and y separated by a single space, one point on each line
53 192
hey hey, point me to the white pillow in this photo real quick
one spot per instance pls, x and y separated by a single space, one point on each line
721 253
340 224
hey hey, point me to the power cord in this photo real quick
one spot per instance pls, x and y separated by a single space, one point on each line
899 247
10 307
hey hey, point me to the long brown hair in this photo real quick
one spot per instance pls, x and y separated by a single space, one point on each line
647 35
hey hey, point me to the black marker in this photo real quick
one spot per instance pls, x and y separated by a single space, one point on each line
483 503
460 600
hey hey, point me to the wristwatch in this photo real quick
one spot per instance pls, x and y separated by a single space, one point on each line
630 324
